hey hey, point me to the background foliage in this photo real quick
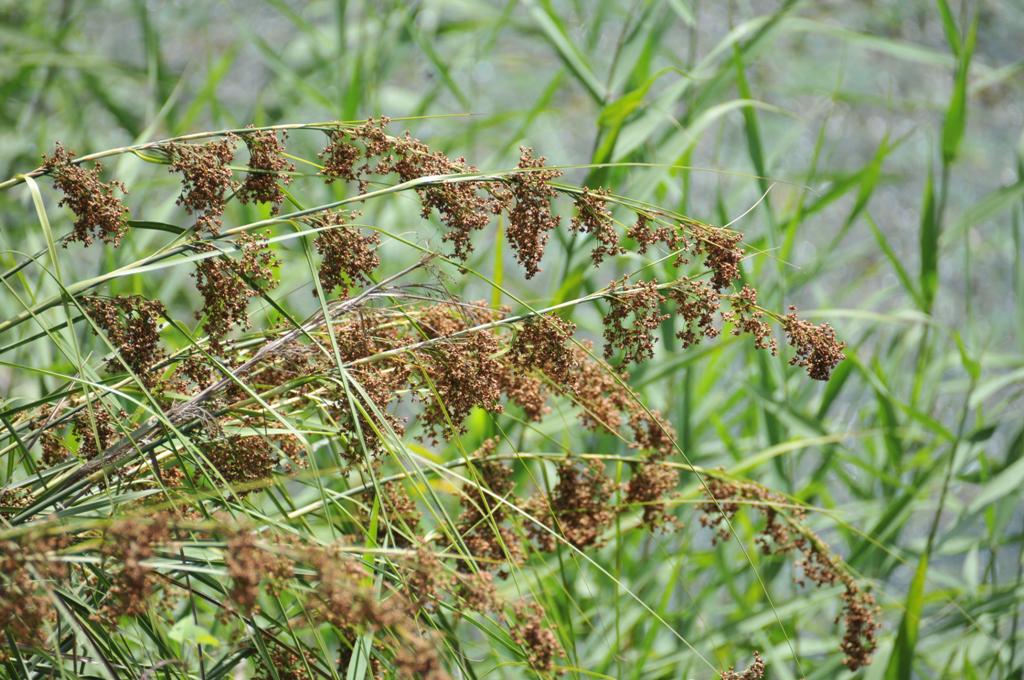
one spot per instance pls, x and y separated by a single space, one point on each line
885 140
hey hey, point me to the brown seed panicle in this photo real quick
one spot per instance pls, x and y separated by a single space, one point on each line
782 534
747 317
531 219
578 508
339 157
131 325
652 479
28 571
536 639
250 566
95 430
348 255
425 578
721 251
817 349
226 285
267 167
755 671
462 375
636 340
98 212
697 303
482 523
130 542
542 342
206 177
647 237
592 216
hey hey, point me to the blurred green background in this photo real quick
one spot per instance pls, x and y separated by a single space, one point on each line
872 153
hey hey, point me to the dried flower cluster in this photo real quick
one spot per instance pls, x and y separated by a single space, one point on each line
131 325
250 567
782 534
268 169
348 255
227 285
130 542
578 508
28 574
98 212
817 348
755 671
206 178
592 216
530 633
642 302
531 220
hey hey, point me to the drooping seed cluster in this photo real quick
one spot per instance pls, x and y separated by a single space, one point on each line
131 325
349 256
531 220
98 212
817 348
782 534
206 178
592 216
755 671
268 169
227 285
483 523
636 340
577 509
130 542
539 641
251 567
95 430
29 571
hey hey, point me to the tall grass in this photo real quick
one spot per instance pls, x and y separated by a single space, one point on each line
890 210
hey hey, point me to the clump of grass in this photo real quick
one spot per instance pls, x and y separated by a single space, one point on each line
299 493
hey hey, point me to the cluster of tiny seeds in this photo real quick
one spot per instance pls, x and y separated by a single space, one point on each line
267 167
721 251
462 207
578 508
54 450
459 377
98 212
401 517
817 564
241 460
25 607
592 216
755 671
482 522
130 542
206 178
227 285
652 480
478 592
531 219
339 157
647 237
696 302
249 565
642 302
95 430
598 390
530 633
424 578
131 325
817 349
747 317
542 342
349 256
